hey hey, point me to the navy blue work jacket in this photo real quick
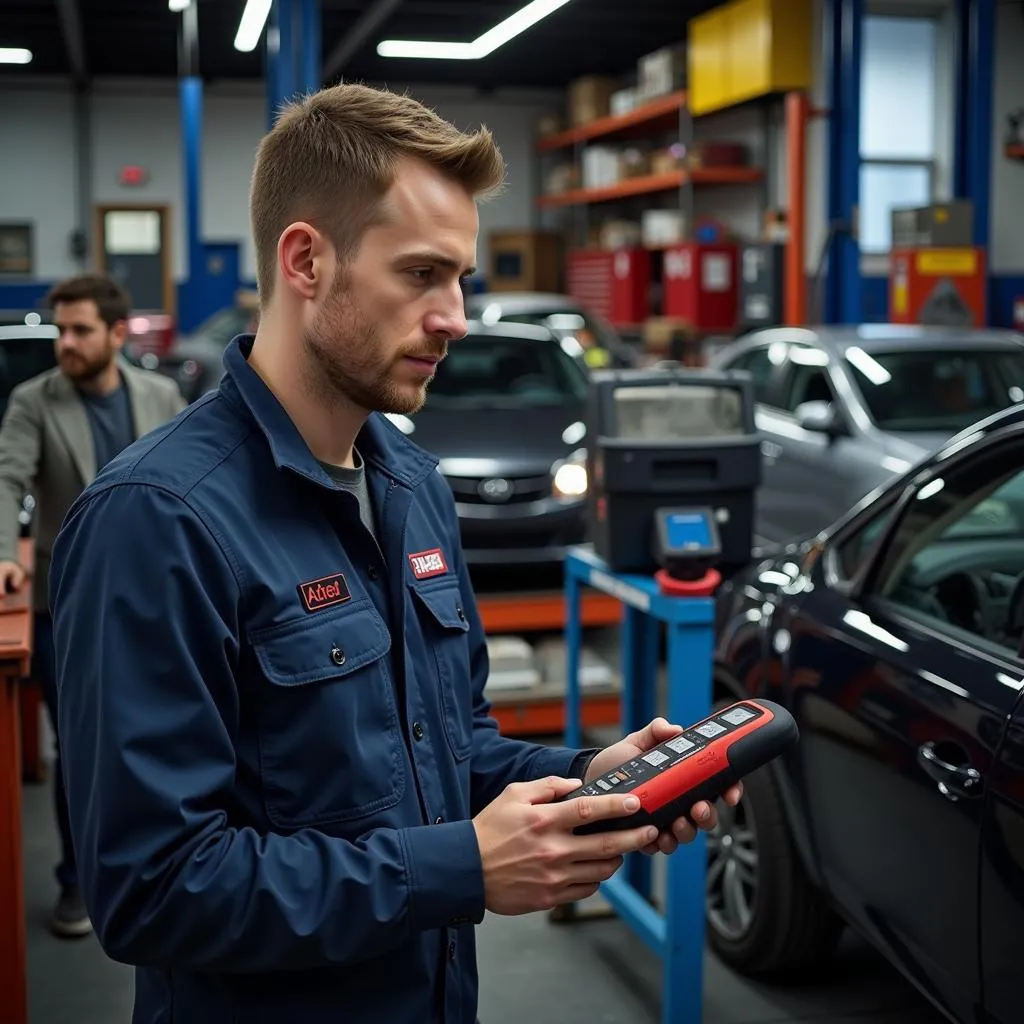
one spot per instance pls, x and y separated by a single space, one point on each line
274 731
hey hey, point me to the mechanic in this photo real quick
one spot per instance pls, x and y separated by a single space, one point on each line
60 428
288 797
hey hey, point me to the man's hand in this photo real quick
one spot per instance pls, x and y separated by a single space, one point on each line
531 858
12 576
637 743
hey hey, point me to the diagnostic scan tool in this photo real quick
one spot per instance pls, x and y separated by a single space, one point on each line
701 763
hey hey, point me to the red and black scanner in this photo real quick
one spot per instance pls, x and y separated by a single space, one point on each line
701 763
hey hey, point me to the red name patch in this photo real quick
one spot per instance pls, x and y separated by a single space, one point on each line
324 592
428 563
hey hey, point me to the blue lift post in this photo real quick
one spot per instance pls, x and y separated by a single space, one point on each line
844 19
293 52
676 935
190 91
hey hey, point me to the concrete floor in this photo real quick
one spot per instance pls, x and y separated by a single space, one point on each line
531 970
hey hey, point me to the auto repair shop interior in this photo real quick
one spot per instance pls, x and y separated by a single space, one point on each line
691 466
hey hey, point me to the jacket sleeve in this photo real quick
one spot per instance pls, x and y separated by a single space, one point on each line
19 462
498 760
147 628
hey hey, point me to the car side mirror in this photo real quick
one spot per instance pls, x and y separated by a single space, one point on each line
821 417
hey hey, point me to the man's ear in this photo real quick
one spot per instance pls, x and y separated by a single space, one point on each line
119 333
305 260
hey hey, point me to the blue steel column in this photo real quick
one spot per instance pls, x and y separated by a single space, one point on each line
281 62
972 164
191 98
310 46
844 19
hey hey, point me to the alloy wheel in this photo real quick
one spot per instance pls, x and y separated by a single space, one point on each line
732 872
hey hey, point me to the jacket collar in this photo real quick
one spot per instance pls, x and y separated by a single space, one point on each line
380 442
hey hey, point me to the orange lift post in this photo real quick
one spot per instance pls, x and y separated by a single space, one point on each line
15 652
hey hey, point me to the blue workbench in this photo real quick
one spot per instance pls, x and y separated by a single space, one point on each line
677 934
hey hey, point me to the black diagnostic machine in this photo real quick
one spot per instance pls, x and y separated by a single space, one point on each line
701 763
674 462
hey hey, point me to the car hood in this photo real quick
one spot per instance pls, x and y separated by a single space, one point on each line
495 441
915 445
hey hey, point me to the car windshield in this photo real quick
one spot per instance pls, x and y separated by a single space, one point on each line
566 323
511 372
941 390
224 325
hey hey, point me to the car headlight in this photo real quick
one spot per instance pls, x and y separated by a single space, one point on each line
569 477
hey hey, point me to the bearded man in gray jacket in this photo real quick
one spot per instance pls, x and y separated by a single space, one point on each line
59 430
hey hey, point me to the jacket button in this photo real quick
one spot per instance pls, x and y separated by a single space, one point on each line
417 730
337 655
439 820
371 571
461 614
451 950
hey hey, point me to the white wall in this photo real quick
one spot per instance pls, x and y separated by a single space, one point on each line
1007 226
139 123
37 173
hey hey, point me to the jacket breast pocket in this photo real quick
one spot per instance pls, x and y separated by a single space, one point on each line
445 630
330 745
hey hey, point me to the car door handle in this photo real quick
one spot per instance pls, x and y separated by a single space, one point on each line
953 781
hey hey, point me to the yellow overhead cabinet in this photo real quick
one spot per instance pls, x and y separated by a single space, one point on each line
748 48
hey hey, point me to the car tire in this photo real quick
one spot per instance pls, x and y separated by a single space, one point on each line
790 926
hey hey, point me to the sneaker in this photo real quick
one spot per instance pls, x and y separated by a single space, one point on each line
70 918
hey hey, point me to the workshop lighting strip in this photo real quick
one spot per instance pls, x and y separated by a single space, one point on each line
515 24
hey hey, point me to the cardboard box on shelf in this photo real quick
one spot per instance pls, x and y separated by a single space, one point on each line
622 101
549 124
602 167
664 161
661 72
718 154
561 179
619 234
590 98
662 227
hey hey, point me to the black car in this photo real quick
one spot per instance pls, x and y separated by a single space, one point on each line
504 415
895 639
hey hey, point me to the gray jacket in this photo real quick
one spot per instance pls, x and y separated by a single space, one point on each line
46 448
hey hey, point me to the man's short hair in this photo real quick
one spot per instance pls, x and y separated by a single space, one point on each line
112 301
331 157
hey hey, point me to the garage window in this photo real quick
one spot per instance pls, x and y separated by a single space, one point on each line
957 559
898 122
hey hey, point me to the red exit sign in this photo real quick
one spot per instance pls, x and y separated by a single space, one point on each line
133 175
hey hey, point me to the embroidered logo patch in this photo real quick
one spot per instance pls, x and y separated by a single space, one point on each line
428 563
324 592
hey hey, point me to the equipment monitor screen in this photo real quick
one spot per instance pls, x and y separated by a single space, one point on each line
688 531
672 412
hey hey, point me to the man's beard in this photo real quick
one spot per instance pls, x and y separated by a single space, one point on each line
344 357
82 369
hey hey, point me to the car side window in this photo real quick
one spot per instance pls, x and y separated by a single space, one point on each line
957 558
808 381
854 549
760 367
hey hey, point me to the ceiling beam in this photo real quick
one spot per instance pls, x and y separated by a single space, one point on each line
74 39
355 38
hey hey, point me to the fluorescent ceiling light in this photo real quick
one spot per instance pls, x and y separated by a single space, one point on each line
250 28
483 45
14 55
178 5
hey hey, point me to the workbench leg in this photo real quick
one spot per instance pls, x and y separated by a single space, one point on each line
573 643
639 700
689 698
13 993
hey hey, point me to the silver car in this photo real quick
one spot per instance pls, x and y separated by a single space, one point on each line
842 410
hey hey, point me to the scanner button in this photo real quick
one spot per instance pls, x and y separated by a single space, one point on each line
604 785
